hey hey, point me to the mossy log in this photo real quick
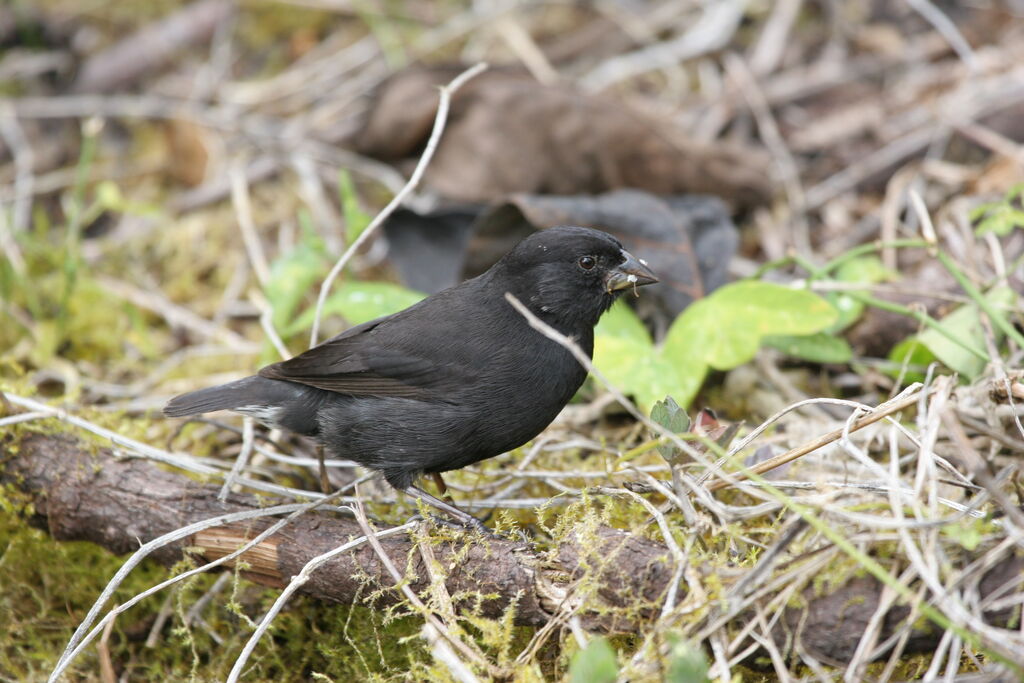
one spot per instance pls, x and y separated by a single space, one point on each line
80 492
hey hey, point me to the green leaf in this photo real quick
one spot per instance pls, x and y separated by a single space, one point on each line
109 198
964 324
622 323
968 533
1002 222
356 220
1000 217
291 276
669 415
687 663
980 210
817 348
596 663
359 302
721 331
866 270
912 358
728 326
624 353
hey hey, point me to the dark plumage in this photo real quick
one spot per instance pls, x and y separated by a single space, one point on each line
457 378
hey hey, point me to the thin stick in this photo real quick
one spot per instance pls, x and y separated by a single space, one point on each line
948 30
325 480
24 162
444 654
267 323
14 137
712 30
435 137
246 224
106 664
248 436
585 360
800 451
997 318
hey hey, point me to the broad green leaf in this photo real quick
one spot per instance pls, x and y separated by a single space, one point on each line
849 311
595 663
817 348
624 353
641 370
359 302
622 323
680 377
621 360
965 325
722 331
622 347
726 327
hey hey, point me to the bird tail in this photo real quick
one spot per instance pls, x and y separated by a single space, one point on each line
224 397
274 402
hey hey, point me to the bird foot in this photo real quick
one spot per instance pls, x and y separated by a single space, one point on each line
466 525
455 518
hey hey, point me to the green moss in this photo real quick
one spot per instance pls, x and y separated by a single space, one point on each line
49 586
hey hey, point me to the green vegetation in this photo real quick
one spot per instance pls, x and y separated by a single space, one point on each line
112 300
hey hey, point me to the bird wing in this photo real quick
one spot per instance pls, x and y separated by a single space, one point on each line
376 359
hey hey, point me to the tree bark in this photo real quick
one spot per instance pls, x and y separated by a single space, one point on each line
83 493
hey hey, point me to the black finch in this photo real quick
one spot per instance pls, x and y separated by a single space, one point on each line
455 379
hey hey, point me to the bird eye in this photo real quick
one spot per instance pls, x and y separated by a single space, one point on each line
587 262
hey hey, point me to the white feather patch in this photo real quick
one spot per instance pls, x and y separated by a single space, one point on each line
266 414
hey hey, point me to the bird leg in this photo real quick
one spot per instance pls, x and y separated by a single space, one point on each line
442 487
325 483
464 518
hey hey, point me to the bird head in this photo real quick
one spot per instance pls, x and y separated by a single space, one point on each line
570 275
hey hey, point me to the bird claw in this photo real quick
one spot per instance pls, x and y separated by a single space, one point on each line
462 525
469 524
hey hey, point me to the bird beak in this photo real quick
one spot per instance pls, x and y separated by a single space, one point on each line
630 273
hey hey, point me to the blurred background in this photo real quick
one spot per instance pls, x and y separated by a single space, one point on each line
178 178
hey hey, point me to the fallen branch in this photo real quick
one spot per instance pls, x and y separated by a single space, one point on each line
82 493
79 493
